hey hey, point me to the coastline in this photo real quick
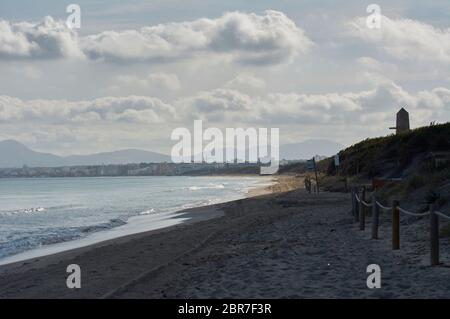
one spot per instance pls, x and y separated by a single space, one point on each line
141 224
287 244
191 216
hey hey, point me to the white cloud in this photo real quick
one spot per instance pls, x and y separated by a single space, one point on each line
230 107
45 40
270 38
345 110
246 81
374 65
406 39
219 105
332 115
246 38
373 108
132 109
153 82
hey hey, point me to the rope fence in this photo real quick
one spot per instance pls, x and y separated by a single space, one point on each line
442 215
360 205
383 207
404 211
366 204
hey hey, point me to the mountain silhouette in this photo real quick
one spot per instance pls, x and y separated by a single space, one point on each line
14 154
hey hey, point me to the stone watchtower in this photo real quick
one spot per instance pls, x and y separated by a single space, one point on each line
402 124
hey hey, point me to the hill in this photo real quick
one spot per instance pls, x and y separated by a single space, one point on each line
393 156
14 154
414 166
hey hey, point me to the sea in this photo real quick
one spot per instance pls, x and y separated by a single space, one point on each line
41 216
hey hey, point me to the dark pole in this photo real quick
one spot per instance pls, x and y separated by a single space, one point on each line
434 237
362 210
315 170
375 213
395 226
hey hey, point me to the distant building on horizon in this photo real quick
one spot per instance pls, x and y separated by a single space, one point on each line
402 122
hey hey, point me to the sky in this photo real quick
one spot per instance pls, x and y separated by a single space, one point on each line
136 70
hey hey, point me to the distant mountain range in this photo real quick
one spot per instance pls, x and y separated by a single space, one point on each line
15 154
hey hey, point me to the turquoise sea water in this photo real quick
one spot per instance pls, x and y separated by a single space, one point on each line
41 212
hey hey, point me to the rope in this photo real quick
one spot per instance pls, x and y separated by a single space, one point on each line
362 201
366 204
412 214
383 207
442 215
399 208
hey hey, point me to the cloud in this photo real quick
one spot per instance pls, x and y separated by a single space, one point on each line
232 107
270 38
49 39
331 115
374 65
267 39
247 82
219 105
374 108
132 109
406 39
154 82
306 109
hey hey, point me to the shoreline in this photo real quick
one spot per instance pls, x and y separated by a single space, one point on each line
154 222
196 217
289 244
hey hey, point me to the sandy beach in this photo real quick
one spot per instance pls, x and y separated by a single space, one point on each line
280 243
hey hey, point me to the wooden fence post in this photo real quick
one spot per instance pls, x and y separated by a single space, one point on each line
353 201
375 211
434 237
395 225
309 185
317 178
356 207
362 210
